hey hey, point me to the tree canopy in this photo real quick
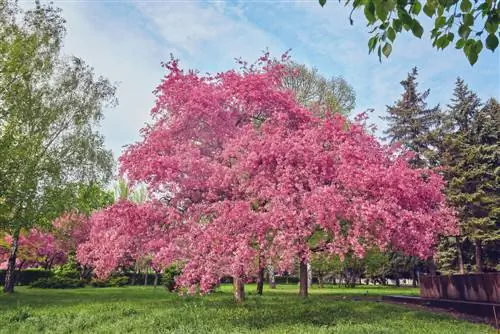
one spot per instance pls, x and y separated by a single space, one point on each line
50 107
471 25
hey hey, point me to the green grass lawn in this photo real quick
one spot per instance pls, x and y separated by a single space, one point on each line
148 310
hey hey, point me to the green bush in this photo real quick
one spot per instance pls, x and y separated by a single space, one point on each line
99 283
57 283
68 270
28 276
118 281
168 278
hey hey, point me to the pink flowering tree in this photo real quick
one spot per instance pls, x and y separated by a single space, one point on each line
121 234
250 176
36 249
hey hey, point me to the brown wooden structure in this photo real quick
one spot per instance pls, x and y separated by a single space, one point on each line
484 287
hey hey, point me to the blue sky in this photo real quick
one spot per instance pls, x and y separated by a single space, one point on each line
126 41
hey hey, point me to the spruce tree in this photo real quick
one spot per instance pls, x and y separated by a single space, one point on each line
412 123
470 152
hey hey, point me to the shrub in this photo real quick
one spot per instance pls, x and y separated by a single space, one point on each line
168 278
68 270
28 276
57 283
99 283
118 281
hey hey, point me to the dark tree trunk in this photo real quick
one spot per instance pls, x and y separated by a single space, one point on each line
260 281
272 279
432 266
11 265
303 289
134 277
155 283
238 290
460 257
145 278
398 283
479 255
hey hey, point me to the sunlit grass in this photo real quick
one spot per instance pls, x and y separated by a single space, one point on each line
148 310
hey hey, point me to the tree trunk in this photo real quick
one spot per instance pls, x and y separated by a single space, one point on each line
460 257
11 265
309 275
155 283
432 266
414 277
272 279
303 290
145 277
238 289
260 281
320 280
479 255
134 277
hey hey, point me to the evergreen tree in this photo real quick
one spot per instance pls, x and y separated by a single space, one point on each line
412 123
470 152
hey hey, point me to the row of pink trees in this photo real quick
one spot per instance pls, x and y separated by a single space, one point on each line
46 249
245 177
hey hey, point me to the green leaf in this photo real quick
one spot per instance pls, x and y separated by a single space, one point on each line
387 50
322 2
417 29
416 8
429 9
465 6
391 34
404 17
389 5
370 12
442 42
372 42
397 25
468 19
491 42
460 44
478 46
440 21
464 31
472 56
381 12
491 26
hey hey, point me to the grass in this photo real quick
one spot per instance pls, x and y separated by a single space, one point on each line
148 310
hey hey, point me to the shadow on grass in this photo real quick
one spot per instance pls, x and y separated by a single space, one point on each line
132 309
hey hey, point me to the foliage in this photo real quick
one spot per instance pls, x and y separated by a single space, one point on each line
36 249
411 122
69 269
57 283
99 283
318 93
147 310
28 276
246 171
118 281
50 108
472 25
120 235
169 276
470 151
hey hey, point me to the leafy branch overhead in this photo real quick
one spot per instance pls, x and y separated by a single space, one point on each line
471 25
